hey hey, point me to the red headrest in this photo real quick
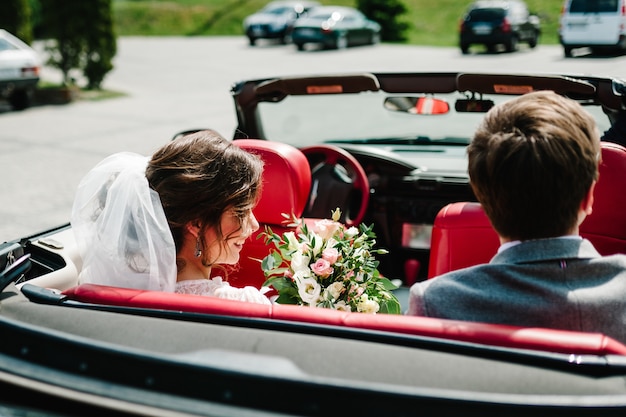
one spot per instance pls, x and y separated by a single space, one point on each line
462 236
286 179
606 226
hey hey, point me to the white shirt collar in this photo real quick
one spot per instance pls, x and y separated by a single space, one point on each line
512 243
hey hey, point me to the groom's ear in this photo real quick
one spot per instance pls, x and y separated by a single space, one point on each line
587 203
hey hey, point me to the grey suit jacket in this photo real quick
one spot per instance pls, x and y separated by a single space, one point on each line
559 283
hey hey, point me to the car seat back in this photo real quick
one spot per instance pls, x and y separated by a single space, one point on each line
606 226
463 236
286 187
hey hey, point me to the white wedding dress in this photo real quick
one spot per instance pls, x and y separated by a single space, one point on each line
217 287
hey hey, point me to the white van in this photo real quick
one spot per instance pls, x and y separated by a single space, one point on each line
598 24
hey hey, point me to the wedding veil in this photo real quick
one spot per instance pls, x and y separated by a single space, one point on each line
121 230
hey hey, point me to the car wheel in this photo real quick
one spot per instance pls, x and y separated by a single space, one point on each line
285 39
341 42
300 46
567 51
465 48
251 41
338 181
512 44
534 40
621 47
19 100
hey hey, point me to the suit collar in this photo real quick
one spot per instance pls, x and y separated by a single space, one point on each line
540 250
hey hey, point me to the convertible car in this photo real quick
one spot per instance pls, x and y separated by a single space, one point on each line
388 149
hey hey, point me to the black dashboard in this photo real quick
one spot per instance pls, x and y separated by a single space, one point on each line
403 203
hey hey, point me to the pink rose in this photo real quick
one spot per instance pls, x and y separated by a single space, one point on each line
326 228
322 268
331 255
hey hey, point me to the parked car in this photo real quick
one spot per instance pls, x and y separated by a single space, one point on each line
19 70
598 24
389 149
498 22
275 20
335 27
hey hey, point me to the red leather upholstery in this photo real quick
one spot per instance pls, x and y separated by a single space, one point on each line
462 235
550 340
286 187
606 226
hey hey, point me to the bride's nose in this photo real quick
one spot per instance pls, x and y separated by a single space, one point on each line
253 224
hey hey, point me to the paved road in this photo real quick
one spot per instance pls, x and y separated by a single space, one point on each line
174 84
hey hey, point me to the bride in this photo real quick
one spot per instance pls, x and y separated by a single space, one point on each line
170 222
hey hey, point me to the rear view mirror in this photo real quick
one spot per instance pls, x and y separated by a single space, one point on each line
417 105
473 105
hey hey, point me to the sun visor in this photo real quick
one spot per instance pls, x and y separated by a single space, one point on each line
331 84
522 84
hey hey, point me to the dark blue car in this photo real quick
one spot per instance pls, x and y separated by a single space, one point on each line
494 22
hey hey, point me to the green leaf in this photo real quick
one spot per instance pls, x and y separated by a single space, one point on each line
284 298
391 306
387 284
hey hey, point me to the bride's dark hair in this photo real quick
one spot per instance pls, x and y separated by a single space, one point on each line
201 175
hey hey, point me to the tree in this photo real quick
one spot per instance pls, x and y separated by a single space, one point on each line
15 17
82 38
386 13
101 44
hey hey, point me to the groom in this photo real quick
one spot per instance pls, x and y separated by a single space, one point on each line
533 165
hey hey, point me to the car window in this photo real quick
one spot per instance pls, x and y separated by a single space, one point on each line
6 46
279 10
486 15
593 6
326 16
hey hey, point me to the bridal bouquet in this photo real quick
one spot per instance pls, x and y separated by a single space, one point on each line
329 266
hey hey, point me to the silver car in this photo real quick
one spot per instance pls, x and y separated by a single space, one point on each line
19 70
275 21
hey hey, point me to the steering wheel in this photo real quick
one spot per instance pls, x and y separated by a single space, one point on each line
337 181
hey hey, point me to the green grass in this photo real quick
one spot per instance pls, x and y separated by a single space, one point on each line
48 92
431 22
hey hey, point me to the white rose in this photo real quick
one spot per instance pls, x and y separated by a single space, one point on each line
342 306
309 290
331 243
351 232
365 305
319 243
300 262
293 243
302 274
326 228
335 289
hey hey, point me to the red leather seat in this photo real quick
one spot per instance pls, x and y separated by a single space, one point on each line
463 236
606 226
286 187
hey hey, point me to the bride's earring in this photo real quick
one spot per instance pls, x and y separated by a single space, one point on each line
198 249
